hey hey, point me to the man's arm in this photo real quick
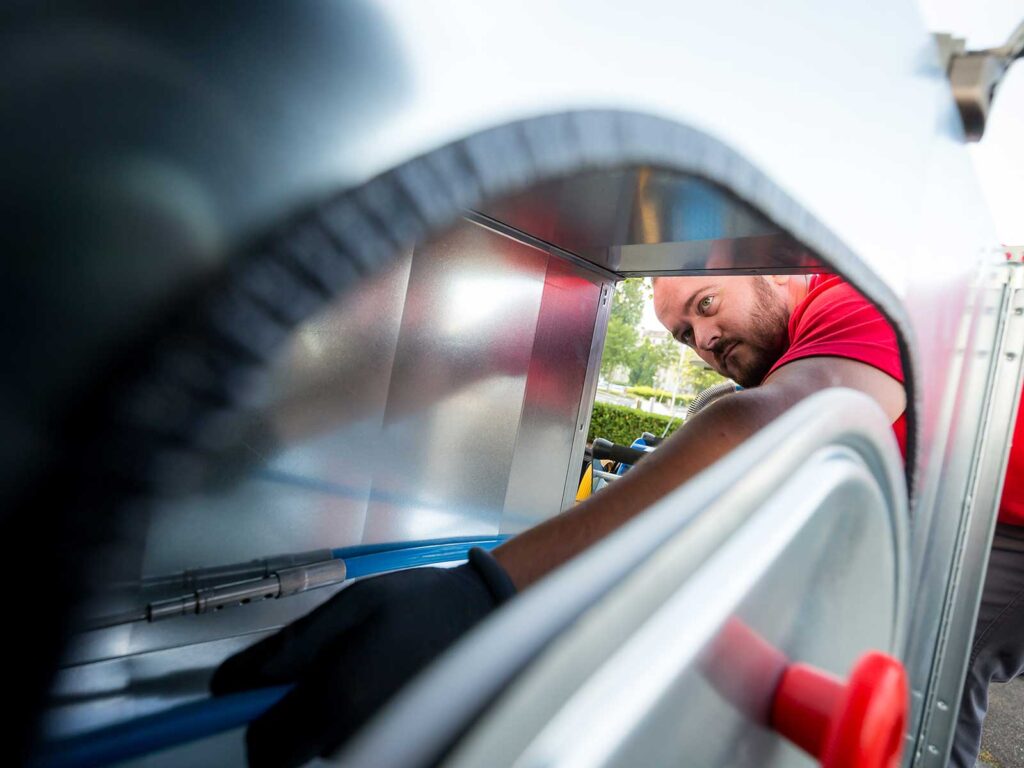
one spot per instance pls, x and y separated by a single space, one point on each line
699 443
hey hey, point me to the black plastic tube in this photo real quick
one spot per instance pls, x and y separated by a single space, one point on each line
605 449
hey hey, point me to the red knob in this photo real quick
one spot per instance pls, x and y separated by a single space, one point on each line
856 725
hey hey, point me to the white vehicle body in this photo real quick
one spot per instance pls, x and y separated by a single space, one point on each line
571 144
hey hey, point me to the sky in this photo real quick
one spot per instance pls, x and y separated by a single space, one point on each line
999 157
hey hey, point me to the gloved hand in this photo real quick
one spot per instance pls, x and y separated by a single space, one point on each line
352 653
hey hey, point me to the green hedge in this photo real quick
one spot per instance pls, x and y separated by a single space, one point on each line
660 394
624 425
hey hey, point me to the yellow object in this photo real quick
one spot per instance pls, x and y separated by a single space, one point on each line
586 484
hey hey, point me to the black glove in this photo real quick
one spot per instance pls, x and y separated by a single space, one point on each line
350 655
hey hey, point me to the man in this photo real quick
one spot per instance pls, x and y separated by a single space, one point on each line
781 337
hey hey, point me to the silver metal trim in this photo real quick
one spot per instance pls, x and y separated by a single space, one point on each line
517 234
579 443
930 558
981 504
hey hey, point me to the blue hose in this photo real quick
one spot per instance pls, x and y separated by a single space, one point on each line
207 717
359 550
143 735
414 556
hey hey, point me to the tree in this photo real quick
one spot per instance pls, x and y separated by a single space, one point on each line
647 359
628 301
619 344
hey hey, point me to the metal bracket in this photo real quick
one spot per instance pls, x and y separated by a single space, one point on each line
975 76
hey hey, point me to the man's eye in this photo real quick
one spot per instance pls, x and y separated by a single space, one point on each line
705 303
687 336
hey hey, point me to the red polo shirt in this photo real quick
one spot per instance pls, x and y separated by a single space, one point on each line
1011 508
833 320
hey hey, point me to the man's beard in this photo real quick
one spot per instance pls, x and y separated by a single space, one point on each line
768 338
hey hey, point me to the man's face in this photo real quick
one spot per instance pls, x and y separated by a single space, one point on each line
737 325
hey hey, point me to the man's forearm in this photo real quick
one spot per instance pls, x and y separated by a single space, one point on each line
699 443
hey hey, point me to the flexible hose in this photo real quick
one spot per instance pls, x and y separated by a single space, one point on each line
708 396
414 557
207 717
143 735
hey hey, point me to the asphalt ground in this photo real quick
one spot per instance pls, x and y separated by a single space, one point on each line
1002 741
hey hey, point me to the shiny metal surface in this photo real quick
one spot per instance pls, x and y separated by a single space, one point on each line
307 466
555 400
197 578
302 480
443 400
303 475
143 637
515 233
589 395
873 154
792 132
937 523
1001 370
284 583
458 388
363 431
643 565
946 501
646 221
551 342
866 150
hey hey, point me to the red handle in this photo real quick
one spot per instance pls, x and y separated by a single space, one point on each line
856 725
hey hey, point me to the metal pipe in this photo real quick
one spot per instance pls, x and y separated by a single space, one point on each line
197 578
338 565
207 717
284 583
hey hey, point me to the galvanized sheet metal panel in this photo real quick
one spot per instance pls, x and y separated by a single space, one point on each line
555 395
441 400
458 387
